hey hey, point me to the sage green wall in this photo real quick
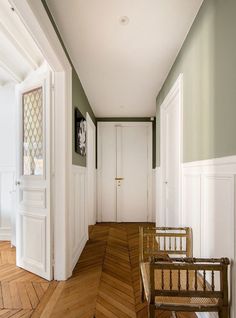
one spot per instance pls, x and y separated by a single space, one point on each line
208 63
79 98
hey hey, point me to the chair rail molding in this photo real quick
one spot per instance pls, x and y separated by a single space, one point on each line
209 206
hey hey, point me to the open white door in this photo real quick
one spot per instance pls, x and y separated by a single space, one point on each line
33 221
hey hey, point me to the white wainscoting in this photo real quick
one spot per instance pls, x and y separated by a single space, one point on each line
7 201
78 218
154 195
157 196
209 208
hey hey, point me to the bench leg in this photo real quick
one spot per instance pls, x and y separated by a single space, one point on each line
151 311
224 312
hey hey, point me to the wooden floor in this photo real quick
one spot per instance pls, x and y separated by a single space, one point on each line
105 282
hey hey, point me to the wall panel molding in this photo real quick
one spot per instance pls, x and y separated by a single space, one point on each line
209 206
158 217
7 201
78 217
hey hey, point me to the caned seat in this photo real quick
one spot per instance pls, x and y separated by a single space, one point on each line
186 284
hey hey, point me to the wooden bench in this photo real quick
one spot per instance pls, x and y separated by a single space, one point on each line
187 285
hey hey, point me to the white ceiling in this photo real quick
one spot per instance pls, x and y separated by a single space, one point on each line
122 67
19 55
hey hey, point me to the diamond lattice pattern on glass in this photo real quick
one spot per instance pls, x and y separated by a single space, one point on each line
33 132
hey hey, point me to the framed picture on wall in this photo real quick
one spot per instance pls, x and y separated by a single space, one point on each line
80 133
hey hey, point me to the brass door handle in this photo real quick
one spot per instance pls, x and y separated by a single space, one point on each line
118 179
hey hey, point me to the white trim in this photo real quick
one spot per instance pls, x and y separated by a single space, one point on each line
177 88
39 26
91 184
229 160
19 47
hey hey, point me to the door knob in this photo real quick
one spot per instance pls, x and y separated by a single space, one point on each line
166 182
119 179
17 183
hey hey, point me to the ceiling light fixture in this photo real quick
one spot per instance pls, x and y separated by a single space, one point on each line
124 20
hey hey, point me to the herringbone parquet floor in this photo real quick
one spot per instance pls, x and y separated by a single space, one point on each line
105 281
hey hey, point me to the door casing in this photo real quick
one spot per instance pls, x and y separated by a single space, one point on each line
91 171
176 90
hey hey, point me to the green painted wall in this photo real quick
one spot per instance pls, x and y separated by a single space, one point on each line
79 98
208 63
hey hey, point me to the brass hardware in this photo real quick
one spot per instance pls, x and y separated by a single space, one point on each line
119 179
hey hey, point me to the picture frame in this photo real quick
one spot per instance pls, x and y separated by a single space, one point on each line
80 133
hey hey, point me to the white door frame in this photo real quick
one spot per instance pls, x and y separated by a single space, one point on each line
177 88
91 170
36 20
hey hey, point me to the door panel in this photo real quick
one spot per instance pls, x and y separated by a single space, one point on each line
134 167
124 171
33 221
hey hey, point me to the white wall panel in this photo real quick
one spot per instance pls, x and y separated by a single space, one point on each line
209 195
7 201
159 217
191 215
7 160
78 220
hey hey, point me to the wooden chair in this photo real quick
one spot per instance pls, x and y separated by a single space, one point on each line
166 241
187 285
174 241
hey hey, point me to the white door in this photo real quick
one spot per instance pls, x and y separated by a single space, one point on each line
91 170
33 221
124 171
171 158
